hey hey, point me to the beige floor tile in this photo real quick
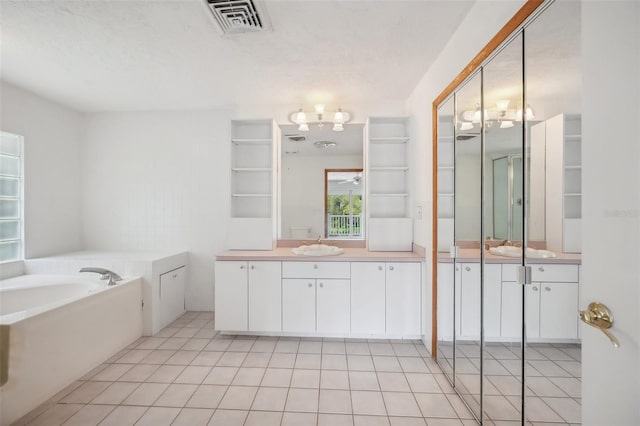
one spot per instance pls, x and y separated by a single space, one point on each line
305 379
405 349
387 363
218 345
270 399
56 415
277 377
460 408
434 405
206 358
413 365
182 357
308 361
193 374
395 382
115 393
263 418
241 345
364 380
368 403
264 346
381 349
207 396
146 394
238 397
123 416
333 379
166 374
158 356
334 420
421 382
176 395
228 418
221 376
195 344
336 348
89 415
287 346
112 372
206 333
85 393
506 385
309 347
499 408
186 332
445 422
401 404
302 400
358 348
193 417
542 386
360 363
139 373
567 408
151 343
134 356
173 343
335 401
370 421
334 362
407 421
257 359
570 385
167 332
299 419
248 376
93 372
282 360
158 416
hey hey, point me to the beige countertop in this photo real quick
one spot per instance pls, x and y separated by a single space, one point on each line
349 255
473 255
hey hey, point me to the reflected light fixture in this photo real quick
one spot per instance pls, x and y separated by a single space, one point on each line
318 116
466 125
499 114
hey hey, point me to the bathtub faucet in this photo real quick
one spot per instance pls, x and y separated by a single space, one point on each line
106 274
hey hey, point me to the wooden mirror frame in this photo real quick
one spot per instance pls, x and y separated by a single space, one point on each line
505 32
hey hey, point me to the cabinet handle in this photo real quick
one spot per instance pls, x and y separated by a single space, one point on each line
467 268
534 288
379 268
253 267
315 266
541 269
457 269
547 289
321 285
241 266
391 268
309 285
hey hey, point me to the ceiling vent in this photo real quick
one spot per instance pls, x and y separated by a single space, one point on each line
238 16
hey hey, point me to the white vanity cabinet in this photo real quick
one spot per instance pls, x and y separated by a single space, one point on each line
403 298
171 289
469 289
368 300
247 296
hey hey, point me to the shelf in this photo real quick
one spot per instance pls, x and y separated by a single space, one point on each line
446 194
573 194
572 137
389 169
265 142
251 169
446 167
251 195
389 140
393 194
573 167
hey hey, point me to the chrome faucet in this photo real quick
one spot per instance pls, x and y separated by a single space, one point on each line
106 274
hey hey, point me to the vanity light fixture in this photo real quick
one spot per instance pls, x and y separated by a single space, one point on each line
318 116
466 125
500 114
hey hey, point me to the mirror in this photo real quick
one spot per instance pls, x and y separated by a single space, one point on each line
306 158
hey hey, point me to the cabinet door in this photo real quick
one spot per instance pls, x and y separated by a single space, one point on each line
367 298
171 291
333 306
231 296
511 311
265 296
403 298
470 300
298 305
558 310
532 308
492 300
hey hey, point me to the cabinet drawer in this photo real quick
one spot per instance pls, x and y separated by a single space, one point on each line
316 270
554 273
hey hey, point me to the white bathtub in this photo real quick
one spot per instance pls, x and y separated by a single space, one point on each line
56 328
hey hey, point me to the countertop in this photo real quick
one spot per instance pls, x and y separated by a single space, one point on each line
473 255
349 255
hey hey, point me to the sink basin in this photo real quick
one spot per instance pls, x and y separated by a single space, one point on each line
511 251
317 250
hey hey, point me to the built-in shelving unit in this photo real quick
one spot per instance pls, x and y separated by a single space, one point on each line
446 174
388 184
253 183
564 182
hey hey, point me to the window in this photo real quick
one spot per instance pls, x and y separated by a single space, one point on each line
11 212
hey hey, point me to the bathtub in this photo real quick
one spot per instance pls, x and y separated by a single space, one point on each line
56 328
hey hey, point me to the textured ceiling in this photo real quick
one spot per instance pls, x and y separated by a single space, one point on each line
158 54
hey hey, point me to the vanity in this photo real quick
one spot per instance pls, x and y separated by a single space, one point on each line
358 293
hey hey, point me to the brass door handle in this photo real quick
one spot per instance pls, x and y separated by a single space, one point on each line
598 315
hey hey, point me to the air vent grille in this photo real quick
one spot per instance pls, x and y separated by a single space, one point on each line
237 16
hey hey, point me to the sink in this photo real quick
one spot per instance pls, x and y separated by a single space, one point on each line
511 251
317 250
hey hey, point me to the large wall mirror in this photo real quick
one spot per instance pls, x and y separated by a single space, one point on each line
322 183
507 144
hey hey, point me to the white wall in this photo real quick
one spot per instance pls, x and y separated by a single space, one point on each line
52 169
303 190
611 209
482 22
160 181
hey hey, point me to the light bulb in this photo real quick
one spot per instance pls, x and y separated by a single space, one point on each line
301 117
338 127
502 105
506 124
303 127
338 116
530 114
466 125
319 108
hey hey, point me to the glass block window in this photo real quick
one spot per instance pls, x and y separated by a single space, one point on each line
11 189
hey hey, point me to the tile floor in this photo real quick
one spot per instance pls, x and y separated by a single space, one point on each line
188 374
